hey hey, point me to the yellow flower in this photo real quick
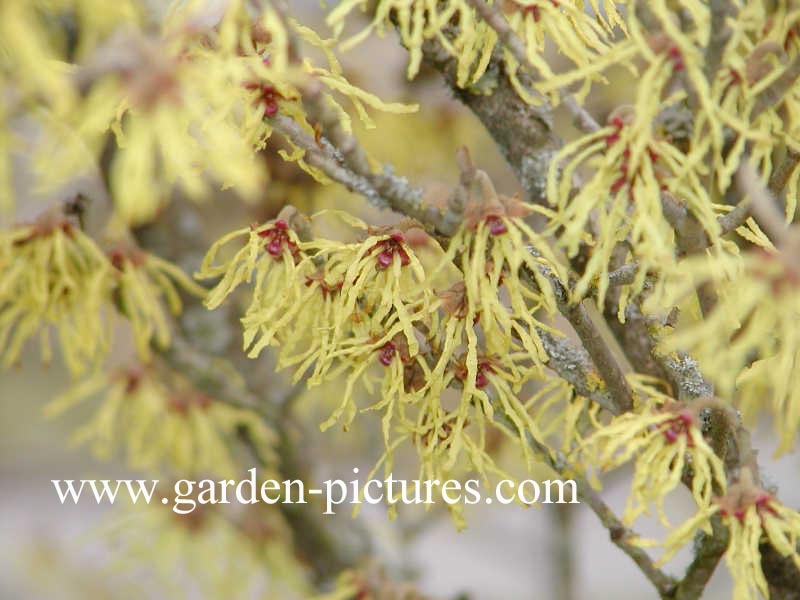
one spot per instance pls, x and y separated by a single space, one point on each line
758 54
416 22
189 106
176 125
271 253
53 276
666 445
752 516
142 279
161 422
383 282
582 38
376 306
631 167
492 248
332 308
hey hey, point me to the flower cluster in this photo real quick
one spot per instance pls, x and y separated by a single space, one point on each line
753 517
632 168
582 38
330 306
365 310
188 98
161 422
55 276
678 146
666 444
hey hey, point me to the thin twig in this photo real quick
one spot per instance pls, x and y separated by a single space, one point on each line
621 536
624 539
386 191
762 205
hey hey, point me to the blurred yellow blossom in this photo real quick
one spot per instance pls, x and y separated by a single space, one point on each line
161 424
144 282
53 276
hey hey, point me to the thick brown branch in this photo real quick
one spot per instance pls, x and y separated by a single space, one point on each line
524 134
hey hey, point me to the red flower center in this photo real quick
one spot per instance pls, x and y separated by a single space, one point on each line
277 238
392 246
481 379
679 426
496 225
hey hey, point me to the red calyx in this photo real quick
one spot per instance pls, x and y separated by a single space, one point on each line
119 257
481 380
496 225
535 11
762 503
679 426
677 60
277 238
133 380
618 124
392 246
386 353
671 435
268 95
327 289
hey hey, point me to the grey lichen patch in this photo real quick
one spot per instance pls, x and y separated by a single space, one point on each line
534 168
575 366
685 372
